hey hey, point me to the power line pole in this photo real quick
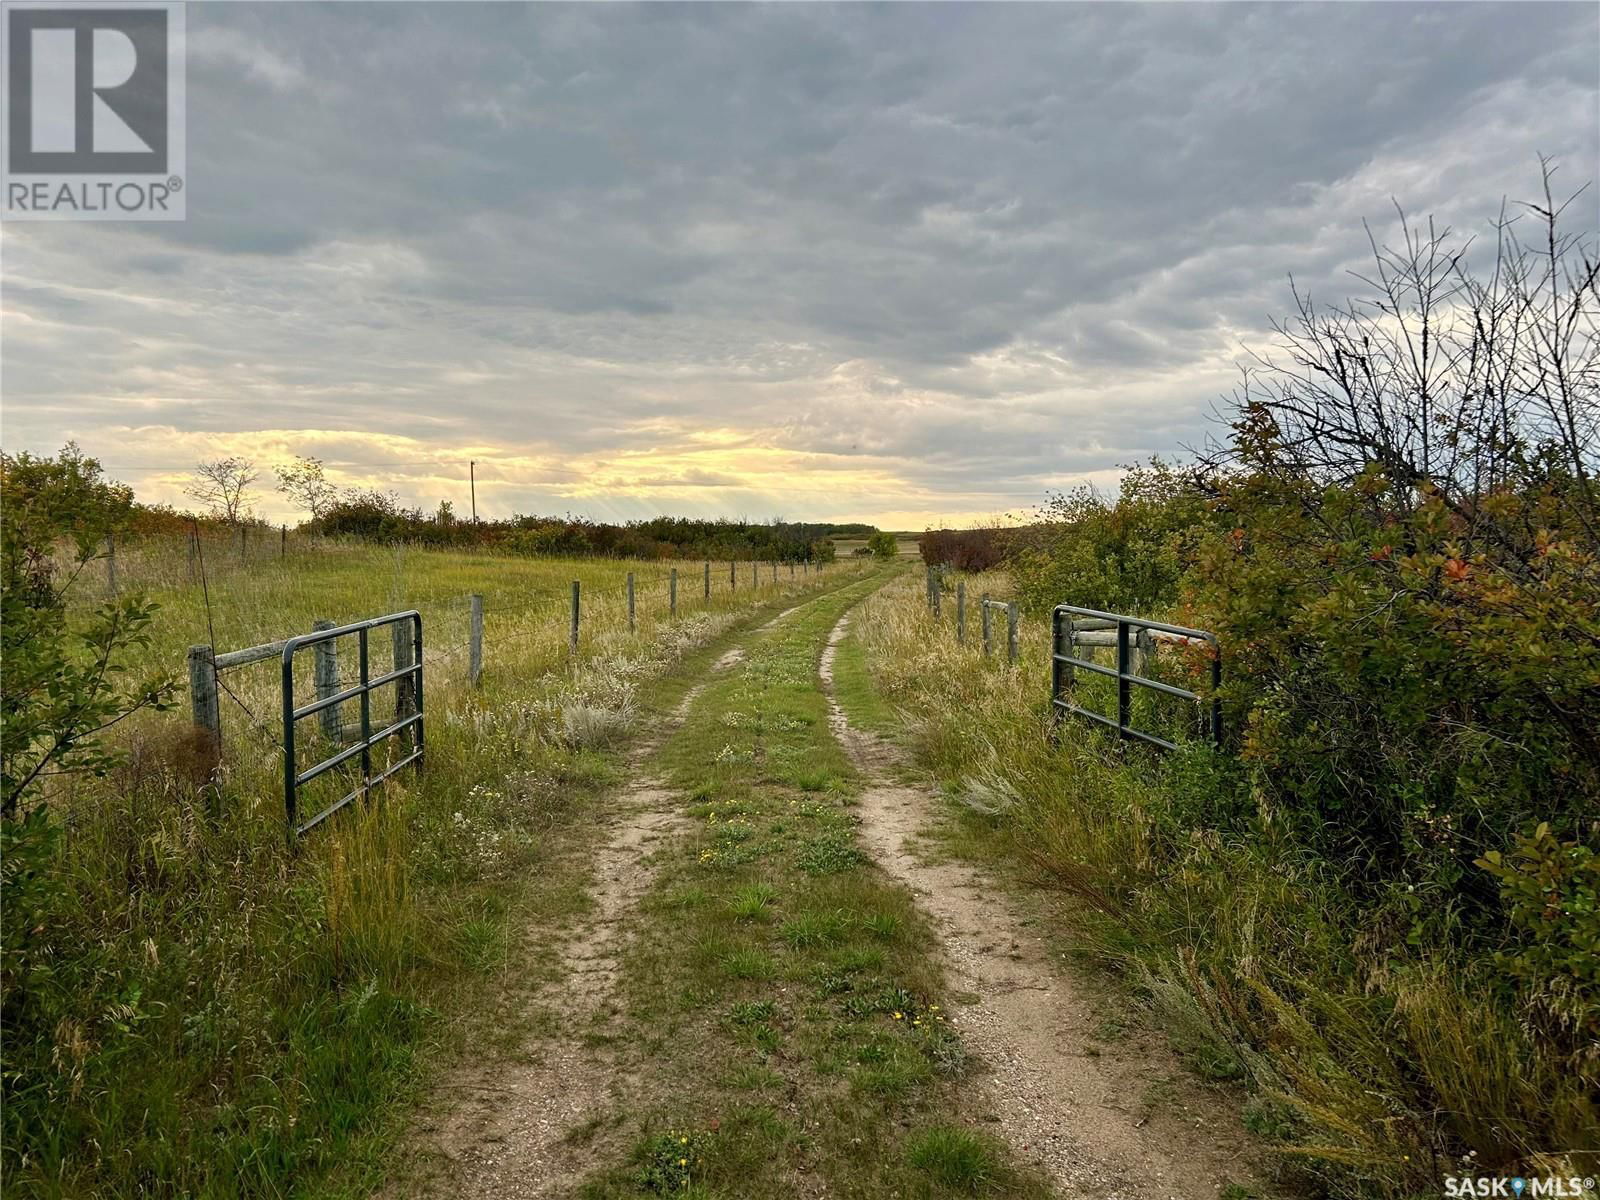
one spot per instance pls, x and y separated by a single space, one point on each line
472 474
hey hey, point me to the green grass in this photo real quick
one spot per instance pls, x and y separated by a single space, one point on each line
193 1009
800 980
955 1159
855 692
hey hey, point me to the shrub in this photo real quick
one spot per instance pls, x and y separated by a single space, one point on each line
963 549
1124 555
1551 892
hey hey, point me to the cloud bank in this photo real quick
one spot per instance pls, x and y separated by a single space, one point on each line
908 264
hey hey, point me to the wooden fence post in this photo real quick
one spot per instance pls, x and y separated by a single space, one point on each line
733 575
207 715
283 541
572 641
938 594
325 671
1011 631
672 593
630 602
475 640
244 542
791 568
961 612
194 554
111 564
988 625
708 583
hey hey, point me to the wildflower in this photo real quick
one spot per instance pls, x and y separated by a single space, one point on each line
683 1141
899 1016
683 1162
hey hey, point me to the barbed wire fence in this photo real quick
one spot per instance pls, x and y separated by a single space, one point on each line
475 623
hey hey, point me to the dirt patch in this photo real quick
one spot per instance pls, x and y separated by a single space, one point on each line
1078 1110
505 1129
731 658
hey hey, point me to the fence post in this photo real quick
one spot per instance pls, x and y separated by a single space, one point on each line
475 640
630 602
111 563
733 576
244 542
988 624
708 583
1011 631
194 554
405 688
203 705
672 593
325 670
961 612
938 594
791 568
755 573
283 541
1124 690
1056 651
572 640
1216 696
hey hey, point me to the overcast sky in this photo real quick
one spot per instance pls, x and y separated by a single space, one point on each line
905 264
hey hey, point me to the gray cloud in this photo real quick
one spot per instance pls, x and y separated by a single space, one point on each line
964 252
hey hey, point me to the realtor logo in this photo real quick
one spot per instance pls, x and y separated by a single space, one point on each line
94 112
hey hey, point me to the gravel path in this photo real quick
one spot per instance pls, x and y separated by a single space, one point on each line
1073 1109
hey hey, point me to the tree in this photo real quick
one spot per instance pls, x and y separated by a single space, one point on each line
883 545
305 481
65 683
222 486
1445 382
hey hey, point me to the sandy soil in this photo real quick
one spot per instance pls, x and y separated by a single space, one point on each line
1074 1108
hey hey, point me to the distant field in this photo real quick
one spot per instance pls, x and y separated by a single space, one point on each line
846 547
526 604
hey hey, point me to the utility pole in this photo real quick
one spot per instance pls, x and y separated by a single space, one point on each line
472 474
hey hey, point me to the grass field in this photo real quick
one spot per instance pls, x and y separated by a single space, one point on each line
204 1011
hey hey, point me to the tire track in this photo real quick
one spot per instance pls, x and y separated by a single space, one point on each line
1064 1108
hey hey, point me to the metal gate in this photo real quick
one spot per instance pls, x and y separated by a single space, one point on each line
1071 627
407 678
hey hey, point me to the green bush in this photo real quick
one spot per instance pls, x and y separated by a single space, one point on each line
1551 892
